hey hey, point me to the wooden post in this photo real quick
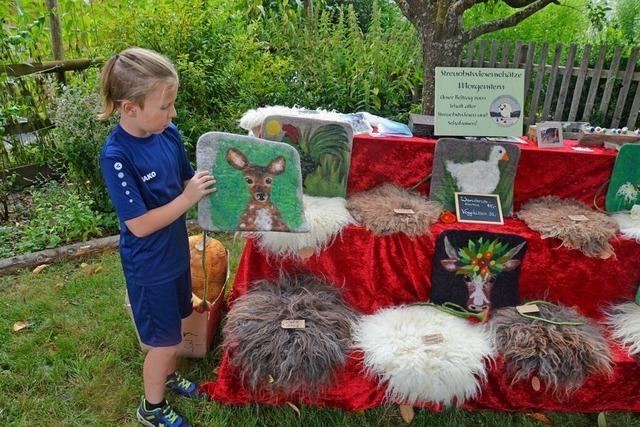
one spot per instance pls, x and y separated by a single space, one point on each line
308 7
56 35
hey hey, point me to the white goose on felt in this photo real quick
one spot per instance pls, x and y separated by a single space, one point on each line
481 176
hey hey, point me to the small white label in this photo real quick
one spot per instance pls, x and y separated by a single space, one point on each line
528 309
432 339
404 211
584 149
292 324
578 218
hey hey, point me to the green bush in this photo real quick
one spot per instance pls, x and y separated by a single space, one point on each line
79 138
61 214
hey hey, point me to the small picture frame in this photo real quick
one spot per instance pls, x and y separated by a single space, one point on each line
549 135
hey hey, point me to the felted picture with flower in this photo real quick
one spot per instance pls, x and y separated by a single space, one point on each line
477 270
624 188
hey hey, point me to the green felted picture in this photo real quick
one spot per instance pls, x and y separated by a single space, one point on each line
324 147
477 167
259 185
624 188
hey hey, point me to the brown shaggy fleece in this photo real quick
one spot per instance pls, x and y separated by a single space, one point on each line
273 359
374 209
561 356
550 217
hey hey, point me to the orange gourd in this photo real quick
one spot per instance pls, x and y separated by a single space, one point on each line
215 263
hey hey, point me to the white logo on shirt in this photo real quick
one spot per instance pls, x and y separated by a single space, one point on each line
149 176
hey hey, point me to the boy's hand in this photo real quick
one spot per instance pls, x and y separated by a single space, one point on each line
199 186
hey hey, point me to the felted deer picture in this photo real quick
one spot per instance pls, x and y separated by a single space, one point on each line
260 213
259 185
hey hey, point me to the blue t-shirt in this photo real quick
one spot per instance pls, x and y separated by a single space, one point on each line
142 174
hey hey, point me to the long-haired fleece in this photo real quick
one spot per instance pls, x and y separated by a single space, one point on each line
551 217
561 356
423 354
326 216
624 320
376 210
273 359
629 226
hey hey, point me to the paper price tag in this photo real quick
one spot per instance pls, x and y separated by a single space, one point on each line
528 309
535 383
432 339
578 218
292 324
306 252
404 211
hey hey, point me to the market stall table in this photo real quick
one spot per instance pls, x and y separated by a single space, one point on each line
376 272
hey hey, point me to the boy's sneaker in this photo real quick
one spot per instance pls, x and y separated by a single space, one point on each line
160 417
181 385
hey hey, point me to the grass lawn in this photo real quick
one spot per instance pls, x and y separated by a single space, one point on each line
78 363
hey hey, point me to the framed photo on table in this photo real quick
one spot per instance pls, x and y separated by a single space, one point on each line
549 134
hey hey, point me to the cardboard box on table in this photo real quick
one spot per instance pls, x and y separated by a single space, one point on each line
198 329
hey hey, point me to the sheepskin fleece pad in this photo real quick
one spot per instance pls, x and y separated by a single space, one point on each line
561 356
326 216
395 350
374 209
624 320
550 217
252 120
629 226
270 358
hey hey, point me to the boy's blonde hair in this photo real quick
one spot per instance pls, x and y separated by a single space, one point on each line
131 75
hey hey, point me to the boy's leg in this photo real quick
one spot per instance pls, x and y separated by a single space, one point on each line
175 381
158 364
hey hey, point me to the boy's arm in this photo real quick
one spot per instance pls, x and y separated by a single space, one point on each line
155 219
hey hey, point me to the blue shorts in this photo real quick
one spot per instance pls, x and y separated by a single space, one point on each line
158 309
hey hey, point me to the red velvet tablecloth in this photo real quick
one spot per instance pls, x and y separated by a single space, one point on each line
377 272
563 172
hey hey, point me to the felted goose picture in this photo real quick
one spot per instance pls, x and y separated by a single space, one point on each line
480 176
478 167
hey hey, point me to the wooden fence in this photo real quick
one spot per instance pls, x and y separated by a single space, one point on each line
606 93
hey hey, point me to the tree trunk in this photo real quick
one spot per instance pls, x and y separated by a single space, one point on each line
437 53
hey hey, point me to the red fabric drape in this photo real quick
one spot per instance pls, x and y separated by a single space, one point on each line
376 272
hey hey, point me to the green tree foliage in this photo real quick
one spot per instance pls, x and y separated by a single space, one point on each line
557 23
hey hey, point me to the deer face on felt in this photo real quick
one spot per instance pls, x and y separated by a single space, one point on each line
260 213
